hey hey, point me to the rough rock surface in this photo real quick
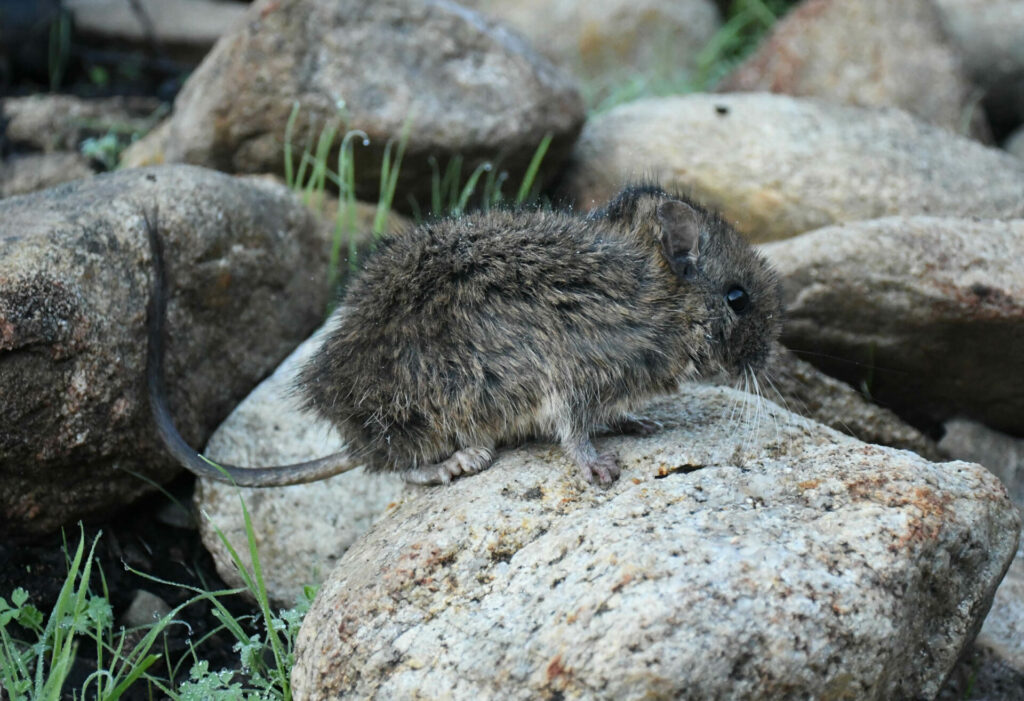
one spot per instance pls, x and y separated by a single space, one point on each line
807 391
782 561
994 670
301 530
23 174
875 53
603 38
246 266
922 311
778 165
470 87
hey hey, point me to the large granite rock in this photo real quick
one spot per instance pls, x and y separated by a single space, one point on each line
874 53
247 270
464 85
782 561
922 312
778 166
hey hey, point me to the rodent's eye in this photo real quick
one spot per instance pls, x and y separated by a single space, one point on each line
738 299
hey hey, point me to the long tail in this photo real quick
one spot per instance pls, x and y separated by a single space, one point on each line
277 476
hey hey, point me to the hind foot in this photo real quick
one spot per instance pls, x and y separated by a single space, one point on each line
467 461
602 469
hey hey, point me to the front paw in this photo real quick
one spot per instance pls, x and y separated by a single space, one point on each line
603 470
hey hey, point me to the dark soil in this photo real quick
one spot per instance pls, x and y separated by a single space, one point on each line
141 538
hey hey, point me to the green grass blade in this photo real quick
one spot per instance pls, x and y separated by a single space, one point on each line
531 171
289 129
470 187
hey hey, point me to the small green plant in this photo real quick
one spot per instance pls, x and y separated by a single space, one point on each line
36 657
105 149
39 670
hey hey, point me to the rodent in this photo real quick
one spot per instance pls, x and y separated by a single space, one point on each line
464 334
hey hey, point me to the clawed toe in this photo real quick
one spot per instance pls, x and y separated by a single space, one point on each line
467 461
604 469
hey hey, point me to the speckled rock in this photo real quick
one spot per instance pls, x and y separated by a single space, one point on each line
994 669
778 165
610 40
468 86
805 390
769 559
875 53
34 171
301 530
246 264
922 311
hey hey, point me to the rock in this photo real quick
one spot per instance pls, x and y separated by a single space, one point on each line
920 311
874 53
786 561
247 275
1015 144
989 34
31 172
62 122
807 391
1003 455
778 166
465 86
193 23
302 530
994 668
145 610
612 40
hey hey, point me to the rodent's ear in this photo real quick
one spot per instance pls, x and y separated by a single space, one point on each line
680 236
